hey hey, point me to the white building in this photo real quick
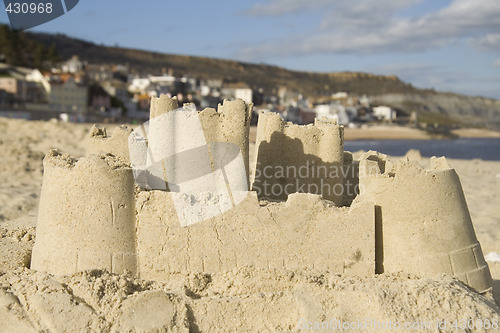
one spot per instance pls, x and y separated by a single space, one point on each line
384 113
237 91
333 111
164 80
73 65
340 95
37 76
139 85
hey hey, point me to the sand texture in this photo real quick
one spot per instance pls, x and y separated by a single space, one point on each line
276 299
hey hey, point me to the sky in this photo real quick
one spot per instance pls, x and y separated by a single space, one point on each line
447 45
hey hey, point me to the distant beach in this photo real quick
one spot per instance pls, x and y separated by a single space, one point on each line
487 149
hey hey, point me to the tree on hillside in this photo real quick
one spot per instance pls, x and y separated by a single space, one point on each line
19 50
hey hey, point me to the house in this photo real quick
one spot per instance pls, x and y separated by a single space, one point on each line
68 94
237 90
98 73
24 85
364 101
13 81
73 65
116 88
334 111
38 77
384 113
12 85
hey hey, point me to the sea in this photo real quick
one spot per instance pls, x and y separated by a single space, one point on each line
462 148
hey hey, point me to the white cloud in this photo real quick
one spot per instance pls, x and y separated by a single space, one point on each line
282 7
442 78
370 26
362 14
497 63
421 75
490 42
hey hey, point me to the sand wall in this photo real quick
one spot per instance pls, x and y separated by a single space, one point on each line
304 232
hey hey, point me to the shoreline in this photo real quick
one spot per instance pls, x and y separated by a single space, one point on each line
373 132
386 132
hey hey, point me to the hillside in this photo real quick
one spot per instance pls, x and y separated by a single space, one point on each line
255 75
432 106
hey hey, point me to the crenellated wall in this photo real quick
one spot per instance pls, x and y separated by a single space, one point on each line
292 158
400 217
305 232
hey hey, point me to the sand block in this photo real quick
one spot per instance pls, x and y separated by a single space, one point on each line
424 223
86 215
292 158
305 232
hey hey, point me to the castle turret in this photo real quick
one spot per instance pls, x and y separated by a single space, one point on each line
231 124
116 144
292 158
86 215
423 225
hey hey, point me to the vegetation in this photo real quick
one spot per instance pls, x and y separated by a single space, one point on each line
19 49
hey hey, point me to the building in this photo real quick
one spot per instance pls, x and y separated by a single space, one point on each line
23 85
384 113
73 65
68 95
237 90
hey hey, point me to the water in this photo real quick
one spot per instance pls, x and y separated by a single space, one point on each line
486 149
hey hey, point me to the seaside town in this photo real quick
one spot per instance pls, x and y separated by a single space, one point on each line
77 91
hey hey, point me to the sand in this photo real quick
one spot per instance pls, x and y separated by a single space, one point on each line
385 132
396 132
235 300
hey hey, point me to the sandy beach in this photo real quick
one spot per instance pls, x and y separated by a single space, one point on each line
386 132
236 300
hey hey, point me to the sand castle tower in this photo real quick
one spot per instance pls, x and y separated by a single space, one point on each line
86 215
423 225
292 158
116 144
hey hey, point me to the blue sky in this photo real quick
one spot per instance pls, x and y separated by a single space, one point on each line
448 45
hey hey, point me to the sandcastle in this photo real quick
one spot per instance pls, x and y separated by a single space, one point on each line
122 208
